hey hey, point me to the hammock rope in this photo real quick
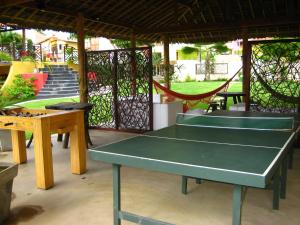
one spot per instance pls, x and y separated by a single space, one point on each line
190 101
276 94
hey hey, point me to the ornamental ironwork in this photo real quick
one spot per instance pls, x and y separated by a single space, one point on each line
120 88
275 77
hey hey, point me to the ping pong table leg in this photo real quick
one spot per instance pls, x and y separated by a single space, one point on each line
116 194
184 185
237 205
284 170
276 189
198 181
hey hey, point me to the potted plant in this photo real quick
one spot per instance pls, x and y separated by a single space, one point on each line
8 172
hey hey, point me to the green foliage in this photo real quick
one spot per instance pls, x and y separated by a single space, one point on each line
220 48
21 89
5 57
189 54
189 50
287 51
188 78
121 43
8 37
156 58
5 101
27 58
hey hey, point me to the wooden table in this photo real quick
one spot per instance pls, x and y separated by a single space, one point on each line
53 121
236 96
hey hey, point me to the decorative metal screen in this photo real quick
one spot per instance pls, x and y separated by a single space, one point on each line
275 77
120 87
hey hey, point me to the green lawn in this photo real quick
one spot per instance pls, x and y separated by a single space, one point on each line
40 104
203 86
181 87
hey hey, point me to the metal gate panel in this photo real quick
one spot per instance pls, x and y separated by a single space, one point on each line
275 76
120 87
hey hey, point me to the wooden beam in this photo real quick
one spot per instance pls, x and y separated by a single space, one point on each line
81 58
9 3
246 71
226 26
23 39
133 65
241 9
167 61
251 9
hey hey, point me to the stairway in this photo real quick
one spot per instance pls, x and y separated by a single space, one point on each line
62 82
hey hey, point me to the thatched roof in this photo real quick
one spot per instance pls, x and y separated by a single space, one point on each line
181 20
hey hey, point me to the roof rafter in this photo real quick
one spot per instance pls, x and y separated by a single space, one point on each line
9 3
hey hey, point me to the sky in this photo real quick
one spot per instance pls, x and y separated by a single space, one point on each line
32 34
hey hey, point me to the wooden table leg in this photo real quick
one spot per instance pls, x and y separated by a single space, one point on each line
19 146
78 146
43 154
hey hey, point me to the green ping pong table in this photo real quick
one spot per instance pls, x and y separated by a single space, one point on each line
243 151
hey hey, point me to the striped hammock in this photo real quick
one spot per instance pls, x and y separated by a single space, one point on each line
189 101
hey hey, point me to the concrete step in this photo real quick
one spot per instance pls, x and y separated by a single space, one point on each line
56 96
63 73
58 92
62 78
61 88
58 69
61 82
72 84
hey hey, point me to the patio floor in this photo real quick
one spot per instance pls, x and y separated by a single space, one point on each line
87 199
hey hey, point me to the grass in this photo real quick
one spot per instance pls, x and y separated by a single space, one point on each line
181 87
40 104
203 86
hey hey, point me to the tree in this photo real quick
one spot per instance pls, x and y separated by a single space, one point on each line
121 43
9 37
210 51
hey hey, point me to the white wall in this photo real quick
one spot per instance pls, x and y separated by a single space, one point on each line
187 68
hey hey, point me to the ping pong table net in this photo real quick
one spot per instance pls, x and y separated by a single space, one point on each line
189 101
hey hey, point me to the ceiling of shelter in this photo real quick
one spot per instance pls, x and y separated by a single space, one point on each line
180 20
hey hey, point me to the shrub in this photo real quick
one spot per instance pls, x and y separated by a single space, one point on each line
21 88
5 57
188 78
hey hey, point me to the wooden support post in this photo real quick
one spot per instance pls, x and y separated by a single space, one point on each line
246 71
167 61
23 40
81 58
18 146
133 65
43 154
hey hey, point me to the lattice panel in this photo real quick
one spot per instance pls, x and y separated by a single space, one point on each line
275 77
120 87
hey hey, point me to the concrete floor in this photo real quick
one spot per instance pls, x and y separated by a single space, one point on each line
87 199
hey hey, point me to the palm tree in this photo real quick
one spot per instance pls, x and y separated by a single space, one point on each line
210 50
